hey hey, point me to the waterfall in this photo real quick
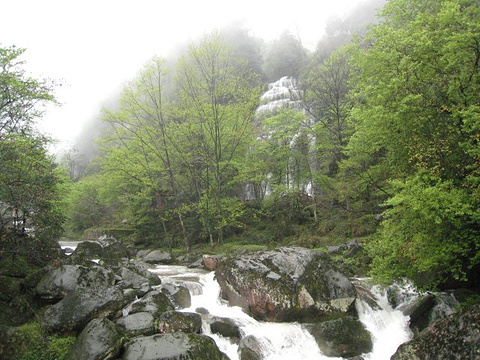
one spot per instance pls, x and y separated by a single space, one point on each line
282 93
389 327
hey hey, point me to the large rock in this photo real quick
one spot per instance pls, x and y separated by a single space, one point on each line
174 321
179 295
249 348
343 337
158 257
455 337
57 283
138 324
287 284
174 346
136 276
225 327
153 302
99 340
85 252
79 307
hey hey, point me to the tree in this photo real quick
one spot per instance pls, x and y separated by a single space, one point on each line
142 140
21 97
285 56
216 107
29 197
417 120
29 181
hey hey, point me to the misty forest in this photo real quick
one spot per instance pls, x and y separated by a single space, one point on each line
232 145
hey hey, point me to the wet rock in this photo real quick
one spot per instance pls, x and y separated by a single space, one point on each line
138 324
210 262
79 307
343 337
154 302
249 348
174 346
179 295
419 312
173 321
455 337
225 327
57 283
85 252
287 284
136 276
158 257
100 339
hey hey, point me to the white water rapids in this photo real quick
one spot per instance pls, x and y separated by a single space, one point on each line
388 327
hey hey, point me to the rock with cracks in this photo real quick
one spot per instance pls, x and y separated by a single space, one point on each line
287 284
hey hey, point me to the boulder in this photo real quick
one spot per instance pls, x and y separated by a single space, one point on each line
136 276
179 295
79 307
287 284
209 262
249 348
85 252
138 324
419 312
454 337
174 346
99 340
158 257
57 283
225 327
343 337
174 321
153 302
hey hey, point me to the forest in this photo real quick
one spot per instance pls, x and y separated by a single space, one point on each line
379 141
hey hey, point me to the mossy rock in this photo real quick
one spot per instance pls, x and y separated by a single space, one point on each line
343 337
174 346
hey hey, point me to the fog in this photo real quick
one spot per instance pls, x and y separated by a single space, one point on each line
92 47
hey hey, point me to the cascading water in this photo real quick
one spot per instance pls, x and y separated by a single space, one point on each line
388 327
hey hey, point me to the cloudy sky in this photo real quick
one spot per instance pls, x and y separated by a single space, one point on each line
93 46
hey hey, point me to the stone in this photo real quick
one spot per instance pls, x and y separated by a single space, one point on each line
99 340
179 295
209 262
174 321
249 348
454 337
79 307
343 337
158 257
57 283
225 327
138 324
287 284
173 346
154 302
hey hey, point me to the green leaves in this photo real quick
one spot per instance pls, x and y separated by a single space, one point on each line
416 107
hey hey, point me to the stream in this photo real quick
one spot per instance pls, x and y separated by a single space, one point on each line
389 328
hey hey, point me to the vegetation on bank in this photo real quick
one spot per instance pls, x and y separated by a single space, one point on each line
384 138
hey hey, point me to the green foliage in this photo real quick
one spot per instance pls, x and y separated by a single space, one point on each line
428 233
32 344
21 97
416 93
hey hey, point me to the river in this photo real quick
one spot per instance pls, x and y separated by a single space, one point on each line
389 327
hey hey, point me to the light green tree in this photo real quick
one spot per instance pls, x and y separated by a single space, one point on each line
416 139
216 109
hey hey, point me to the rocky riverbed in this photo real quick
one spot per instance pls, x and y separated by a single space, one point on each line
117 308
